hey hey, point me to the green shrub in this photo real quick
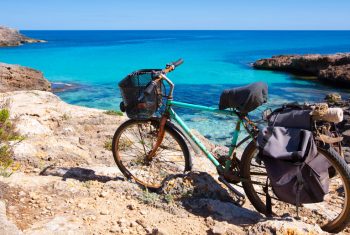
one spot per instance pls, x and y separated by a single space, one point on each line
7 166
4 154
168 198
4 115
114 112
148 197
7 133
108 145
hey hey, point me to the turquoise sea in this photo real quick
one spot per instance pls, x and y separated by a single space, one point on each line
214 60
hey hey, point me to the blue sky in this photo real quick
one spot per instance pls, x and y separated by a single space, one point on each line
175 14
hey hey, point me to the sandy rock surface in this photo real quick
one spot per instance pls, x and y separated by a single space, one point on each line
68 183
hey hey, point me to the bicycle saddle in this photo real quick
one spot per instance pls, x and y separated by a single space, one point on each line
246 98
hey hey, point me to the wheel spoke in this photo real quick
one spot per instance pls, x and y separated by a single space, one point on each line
137 140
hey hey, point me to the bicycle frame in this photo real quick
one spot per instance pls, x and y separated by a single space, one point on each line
172 114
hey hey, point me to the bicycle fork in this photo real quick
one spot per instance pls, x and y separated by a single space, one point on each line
160 138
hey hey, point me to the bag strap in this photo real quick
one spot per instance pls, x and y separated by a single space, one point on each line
300 185
268 198
285 107
269 133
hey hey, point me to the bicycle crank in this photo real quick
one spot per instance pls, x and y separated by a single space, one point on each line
239 195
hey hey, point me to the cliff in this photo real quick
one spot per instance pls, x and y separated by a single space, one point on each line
11 37
331 68
68 182
15 77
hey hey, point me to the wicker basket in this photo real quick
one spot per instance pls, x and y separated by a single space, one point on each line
139 105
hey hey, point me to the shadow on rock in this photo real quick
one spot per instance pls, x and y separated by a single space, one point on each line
202 195
78 173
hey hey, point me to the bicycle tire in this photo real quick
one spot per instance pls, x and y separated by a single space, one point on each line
334 226
169 131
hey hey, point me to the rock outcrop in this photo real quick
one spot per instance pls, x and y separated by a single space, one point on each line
333 68
11 37
6 226
338 74
68 182
15 77
59 133
343 128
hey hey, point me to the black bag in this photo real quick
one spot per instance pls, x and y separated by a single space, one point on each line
298 173
292 116
246 98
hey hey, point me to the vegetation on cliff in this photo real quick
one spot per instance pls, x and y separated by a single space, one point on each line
7 135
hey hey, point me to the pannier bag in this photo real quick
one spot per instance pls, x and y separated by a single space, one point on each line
297 116
297 172
137 103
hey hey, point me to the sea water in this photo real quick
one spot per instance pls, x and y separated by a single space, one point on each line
96 61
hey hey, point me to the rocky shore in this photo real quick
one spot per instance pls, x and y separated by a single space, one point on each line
11 37
68 183
334 69
16 77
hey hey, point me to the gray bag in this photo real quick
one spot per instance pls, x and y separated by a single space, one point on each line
298 173
292 116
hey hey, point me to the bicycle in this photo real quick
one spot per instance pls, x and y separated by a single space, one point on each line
149 149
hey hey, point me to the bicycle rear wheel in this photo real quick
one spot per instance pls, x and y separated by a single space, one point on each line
134 140
333 214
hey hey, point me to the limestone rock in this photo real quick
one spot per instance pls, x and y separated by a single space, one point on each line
333 68
70 183
332 97
57 225
339 74
52 130
11 37
280 227
15 77
303 64
6 226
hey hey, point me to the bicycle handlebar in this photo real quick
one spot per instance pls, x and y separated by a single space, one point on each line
177 63
169 67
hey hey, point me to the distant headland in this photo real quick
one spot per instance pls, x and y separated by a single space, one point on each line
12 37
334 68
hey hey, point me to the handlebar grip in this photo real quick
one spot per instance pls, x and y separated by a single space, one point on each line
148 90
178 62
150 87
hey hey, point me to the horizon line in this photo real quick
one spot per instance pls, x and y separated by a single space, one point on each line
184 29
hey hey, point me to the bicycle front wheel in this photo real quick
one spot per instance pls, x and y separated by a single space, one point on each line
134 140
333 214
